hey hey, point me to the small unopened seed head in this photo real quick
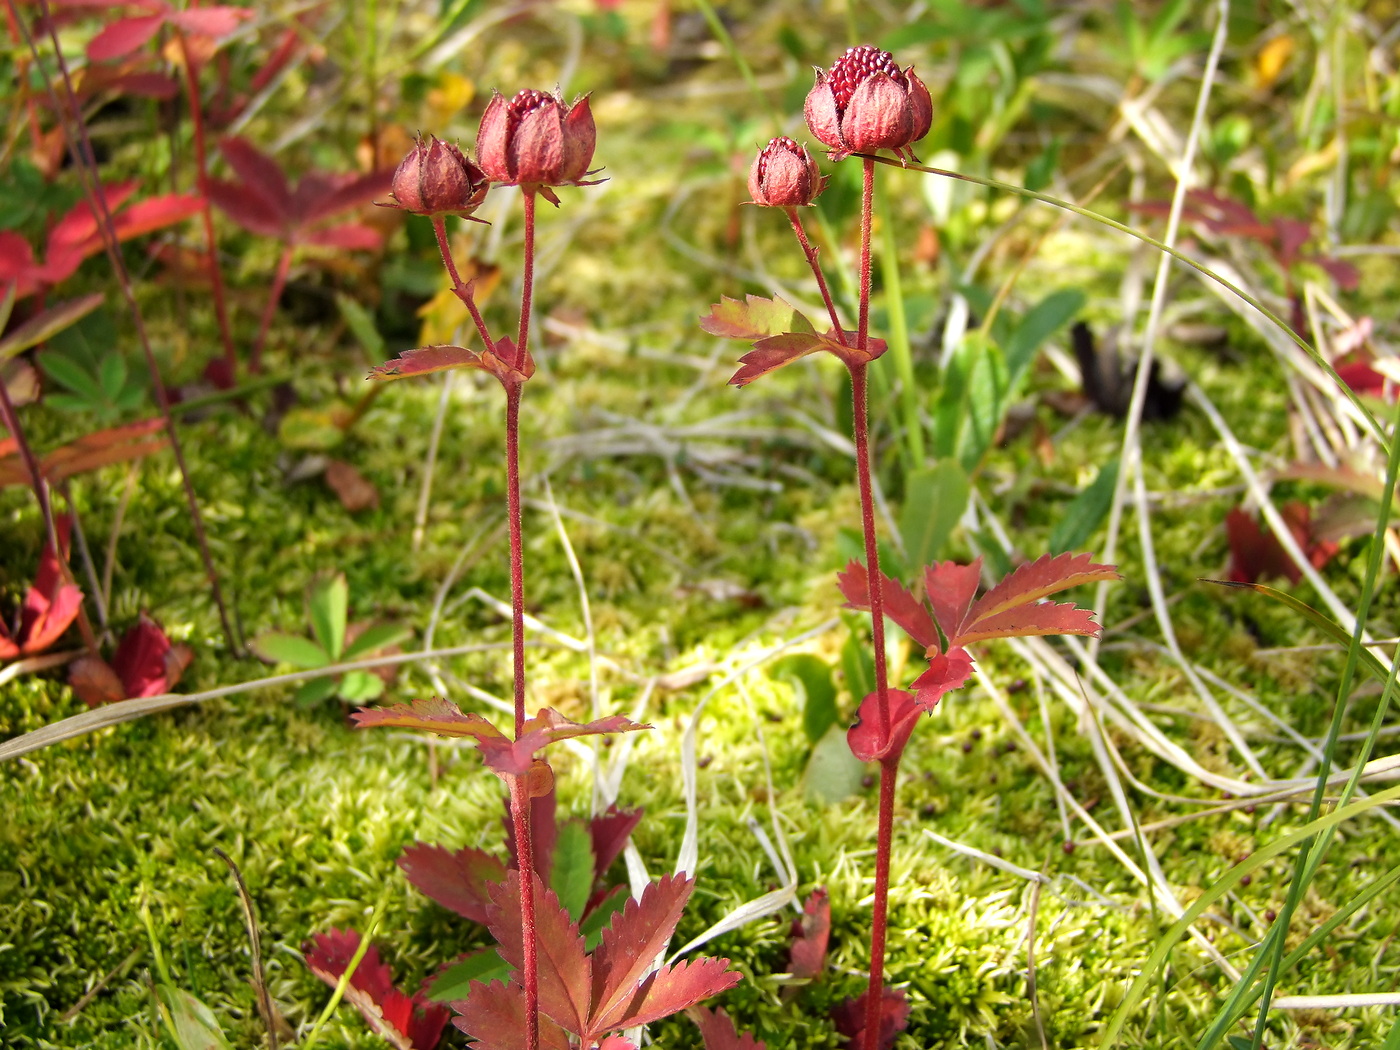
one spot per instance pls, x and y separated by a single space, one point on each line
784 175
436 178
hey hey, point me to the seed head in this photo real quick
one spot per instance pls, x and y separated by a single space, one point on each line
784 175
865 102
437 179
533 139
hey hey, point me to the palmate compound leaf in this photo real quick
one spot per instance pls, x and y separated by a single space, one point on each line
457 879
428 359
673 988
899 603
494 1015
565 971
406 1022
1041 578
755 318
631 945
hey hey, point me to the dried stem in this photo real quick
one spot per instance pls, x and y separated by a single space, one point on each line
81 148
201 161
274 296
889 766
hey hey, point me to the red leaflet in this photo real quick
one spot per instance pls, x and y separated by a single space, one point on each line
99 449
718 1031
263 202
494 1015
1256 553
502 364
865 738
127 34
408 1023
807 956
459 880
780 335
610 831
849 1017
145 664
1011 609
591 996
48 607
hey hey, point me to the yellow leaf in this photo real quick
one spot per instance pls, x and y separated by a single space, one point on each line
451 95
1271 59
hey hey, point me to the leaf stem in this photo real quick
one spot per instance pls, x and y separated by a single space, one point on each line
462 291
811 254
274 296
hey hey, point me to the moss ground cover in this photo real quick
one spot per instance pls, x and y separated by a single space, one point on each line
709 524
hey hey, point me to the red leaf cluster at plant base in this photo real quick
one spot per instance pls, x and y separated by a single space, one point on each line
145 664
407 1022
49 606
718 1031
1256 553
849 1017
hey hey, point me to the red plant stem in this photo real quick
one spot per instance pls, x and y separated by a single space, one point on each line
10 419
889 766
274 296
462 291
80 145
811 254
520 815
517 555
201 160
527 279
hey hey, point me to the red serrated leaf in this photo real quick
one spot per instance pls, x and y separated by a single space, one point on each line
140 660
565 971
104 448
1031 582
261 177
1024 621
408 1023
718 1032
155 213
94 681
810 933
123 37
673 988
210 21
865 738
494 1015
946 672
351 237
754 318
458 880
434 715
425 360
1256 553
771 354
49 606
900 604
950 588
254 213
630 946
346 194
609 832
849 1017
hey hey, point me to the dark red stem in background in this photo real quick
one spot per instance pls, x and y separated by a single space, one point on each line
201 160
889 766
274 296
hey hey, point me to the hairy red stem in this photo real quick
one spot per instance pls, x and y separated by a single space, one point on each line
811 254
201 160
860 396
274 296
520 816
527 279
462 291
80 145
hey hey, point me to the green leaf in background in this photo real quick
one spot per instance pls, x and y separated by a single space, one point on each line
1085 512
850 546
811 678
111 375
1041 321
934 500
454 982
601 917
988 394
360 687
1041 170
313 429
289 649
193 1025
833 773
316 691
1392 1041
68 373
571 878
372 639
327 607
361 323
947 408
45 325
856 662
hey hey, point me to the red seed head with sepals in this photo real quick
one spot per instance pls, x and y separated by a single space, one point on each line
534 139
865 102
784 175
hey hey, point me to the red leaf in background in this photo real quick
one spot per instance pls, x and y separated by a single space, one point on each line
261 175
900 604
49 606
849 1017
1256 552
673 988
717 1030
146 662
459 881
1290 235
123 37
434 716
351 237
865 739
810 933
494 1015
94 681
408 1023
1344 273
1363 379
565 971
617 1042
630 945
609 832
210 21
